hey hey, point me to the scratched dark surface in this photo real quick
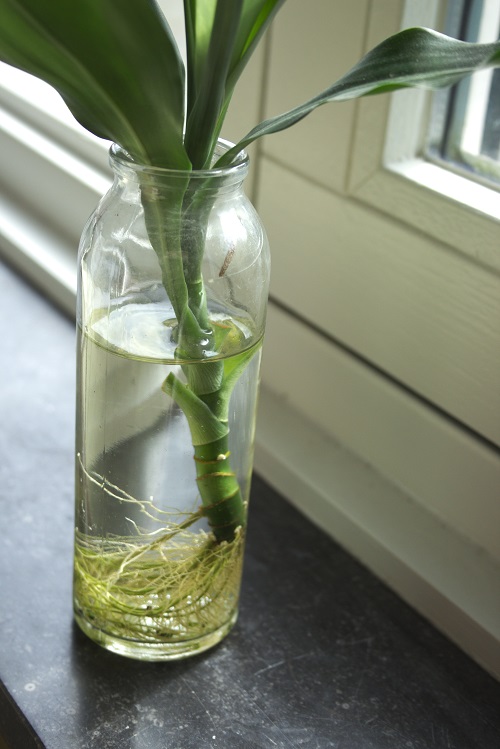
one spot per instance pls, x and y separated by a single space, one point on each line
323 654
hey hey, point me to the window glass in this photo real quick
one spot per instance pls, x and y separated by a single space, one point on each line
465 129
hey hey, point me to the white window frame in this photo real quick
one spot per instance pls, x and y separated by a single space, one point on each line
389 174
53 173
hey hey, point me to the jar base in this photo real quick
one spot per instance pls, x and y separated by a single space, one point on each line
155 651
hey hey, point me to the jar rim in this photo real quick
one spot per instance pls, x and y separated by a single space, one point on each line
119 157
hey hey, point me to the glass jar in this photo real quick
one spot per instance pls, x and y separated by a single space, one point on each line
173 284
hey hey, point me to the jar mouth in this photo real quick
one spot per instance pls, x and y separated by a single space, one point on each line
119 157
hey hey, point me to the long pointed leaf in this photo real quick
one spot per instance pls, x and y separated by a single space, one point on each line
198 20
115 64
201 134
412 58
221 36
255 19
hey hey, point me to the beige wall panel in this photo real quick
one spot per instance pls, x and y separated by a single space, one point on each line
312 44
446 470
418 310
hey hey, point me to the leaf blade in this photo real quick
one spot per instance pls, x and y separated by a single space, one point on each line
116 65
221 36
422 57
211 70
255 19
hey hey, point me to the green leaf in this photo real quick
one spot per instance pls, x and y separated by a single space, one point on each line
412 58
221 36
255 19
114 62
198 21
211 66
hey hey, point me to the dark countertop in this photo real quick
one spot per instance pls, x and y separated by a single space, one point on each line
324 655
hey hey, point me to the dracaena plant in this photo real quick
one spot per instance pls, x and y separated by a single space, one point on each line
118 68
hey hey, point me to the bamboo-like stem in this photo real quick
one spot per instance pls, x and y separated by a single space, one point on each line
218 486
176 224
219 489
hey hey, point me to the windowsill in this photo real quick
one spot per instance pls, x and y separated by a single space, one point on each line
323 652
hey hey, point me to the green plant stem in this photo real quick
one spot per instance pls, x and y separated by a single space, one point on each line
222 503
170 217
163 217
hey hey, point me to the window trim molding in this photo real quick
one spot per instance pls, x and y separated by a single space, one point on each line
53 175
389 174
426 561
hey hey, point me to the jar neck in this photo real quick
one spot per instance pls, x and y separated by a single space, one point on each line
211 181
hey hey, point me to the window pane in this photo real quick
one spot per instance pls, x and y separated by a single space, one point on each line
465 128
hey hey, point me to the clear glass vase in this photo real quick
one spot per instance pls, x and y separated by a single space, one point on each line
173 284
